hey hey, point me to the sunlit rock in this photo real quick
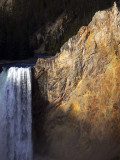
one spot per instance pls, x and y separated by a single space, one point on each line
80 88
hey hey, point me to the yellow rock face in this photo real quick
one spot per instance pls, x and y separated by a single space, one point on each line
82 86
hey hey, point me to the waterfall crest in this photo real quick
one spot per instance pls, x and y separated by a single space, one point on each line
15 114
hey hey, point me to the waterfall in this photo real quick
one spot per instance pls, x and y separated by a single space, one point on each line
15 114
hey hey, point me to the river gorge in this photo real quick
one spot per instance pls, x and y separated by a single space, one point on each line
66 107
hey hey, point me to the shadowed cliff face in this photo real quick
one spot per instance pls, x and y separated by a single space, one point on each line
81 90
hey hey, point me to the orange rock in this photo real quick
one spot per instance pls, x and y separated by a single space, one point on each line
82 88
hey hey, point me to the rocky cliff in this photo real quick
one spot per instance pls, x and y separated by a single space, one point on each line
76 94
50 36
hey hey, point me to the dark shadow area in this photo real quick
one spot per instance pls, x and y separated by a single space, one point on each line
1 69
39 104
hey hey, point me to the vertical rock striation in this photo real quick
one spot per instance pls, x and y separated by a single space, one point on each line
79 91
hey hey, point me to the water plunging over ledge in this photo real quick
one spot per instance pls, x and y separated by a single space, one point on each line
15 114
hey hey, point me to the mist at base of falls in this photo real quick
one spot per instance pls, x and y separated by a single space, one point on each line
15 114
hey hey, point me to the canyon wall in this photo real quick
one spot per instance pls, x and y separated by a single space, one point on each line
76 94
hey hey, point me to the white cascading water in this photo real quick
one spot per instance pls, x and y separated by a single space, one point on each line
15 114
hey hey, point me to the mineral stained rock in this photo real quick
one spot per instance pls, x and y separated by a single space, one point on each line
77 93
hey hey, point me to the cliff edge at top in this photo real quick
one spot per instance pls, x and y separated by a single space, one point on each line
79 91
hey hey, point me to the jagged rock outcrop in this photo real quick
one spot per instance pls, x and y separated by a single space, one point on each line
76 94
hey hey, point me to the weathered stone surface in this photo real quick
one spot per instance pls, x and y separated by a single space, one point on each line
81 90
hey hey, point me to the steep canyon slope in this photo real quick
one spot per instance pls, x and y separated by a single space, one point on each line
39 26
76 94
